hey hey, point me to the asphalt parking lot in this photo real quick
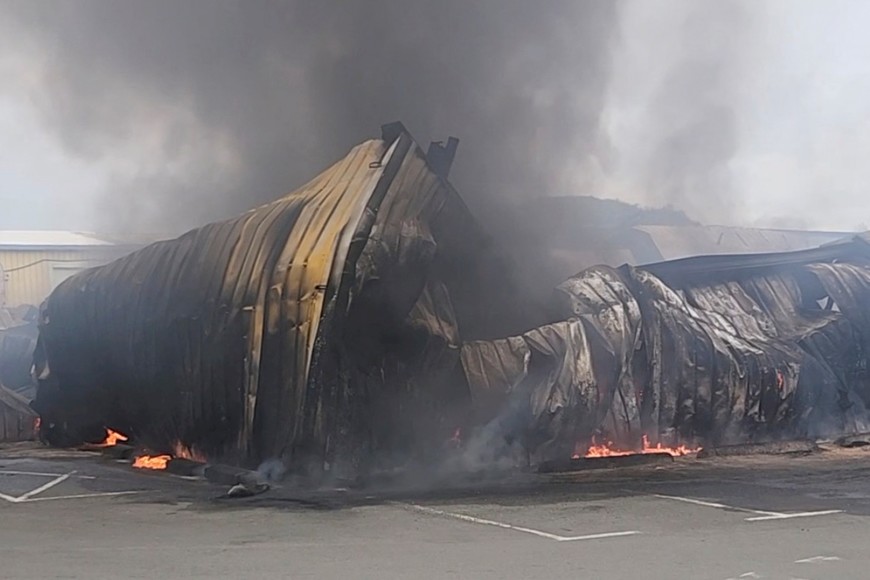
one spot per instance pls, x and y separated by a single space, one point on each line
74 516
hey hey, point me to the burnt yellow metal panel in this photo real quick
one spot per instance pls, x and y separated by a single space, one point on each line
186 332
271 335
295 288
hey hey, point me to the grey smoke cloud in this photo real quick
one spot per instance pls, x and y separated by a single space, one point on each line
679 102
201 109
693 119
736 111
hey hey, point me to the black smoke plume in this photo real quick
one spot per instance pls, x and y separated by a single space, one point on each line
220 105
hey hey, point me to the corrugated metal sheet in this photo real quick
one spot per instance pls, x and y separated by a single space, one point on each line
716 349
266 336
193 316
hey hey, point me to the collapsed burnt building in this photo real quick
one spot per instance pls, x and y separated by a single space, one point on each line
711 349
366 318
323 328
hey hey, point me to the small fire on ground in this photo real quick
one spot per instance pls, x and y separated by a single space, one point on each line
159 462
152 461
156 462
608 450
112 438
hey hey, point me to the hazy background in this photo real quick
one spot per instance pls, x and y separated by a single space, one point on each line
157 116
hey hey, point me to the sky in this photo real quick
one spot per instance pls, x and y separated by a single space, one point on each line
739 113
800 92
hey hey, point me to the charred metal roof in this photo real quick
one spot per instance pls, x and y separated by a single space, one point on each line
674 242
264 336
711 348
696 268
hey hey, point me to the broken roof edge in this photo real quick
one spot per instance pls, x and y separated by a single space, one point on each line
672 271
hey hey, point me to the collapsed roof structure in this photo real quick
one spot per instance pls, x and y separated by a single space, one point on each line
366 316
715 348
571 233
318 329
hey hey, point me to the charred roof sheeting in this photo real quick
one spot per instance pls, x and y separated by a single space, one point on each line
264 336
175 331
733 348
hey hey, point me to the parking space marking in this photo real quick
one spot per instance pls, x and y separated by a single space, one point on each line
30 496
41 474
794 515
45 487
817 560
539 533
761 515
82 496
711 504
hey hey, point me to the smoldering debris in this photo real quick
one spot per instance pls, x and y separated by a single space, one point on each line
584 463
796 447
365 324
718 349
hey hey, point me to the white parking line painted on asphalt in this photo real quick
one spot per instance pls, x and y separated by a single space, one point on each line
750 574
45 487
711 504
762 515
817 560
81 496
29 496
795 515
40 474
549 536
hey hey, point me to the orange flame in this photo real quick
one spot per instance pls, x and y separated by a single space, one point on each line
608 450
151 461
112 438
183 452
456 440
678 451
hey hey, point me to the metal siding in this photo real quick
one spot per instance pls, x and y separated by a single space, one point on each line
29 271
179 329
231 339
